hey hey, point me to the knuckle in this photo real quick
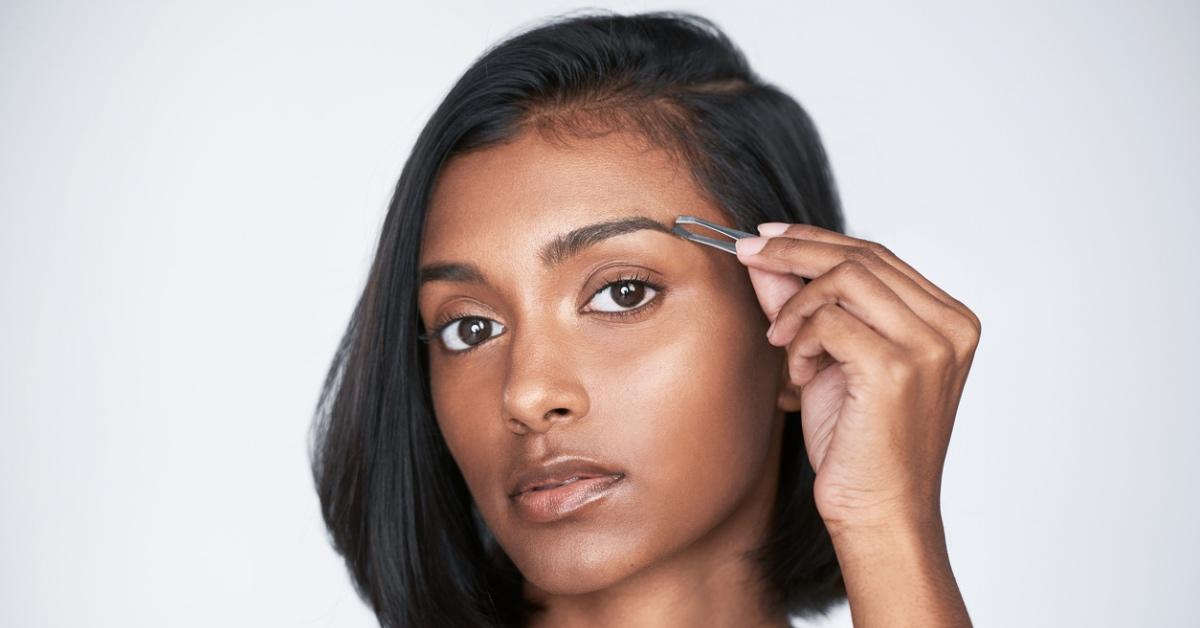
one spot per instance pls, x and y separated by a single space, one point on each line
851 269
971 323
961 327
939 351
795 365
861 254
965 349
974 320
965 329
824 313
966 313
782 246
801 230
898 369
795 304
879 250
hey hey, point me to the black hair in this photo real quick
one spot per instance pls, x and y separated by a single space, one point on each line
395 503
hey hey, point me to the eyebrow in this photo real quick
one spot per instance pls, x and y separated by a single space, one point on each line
556 251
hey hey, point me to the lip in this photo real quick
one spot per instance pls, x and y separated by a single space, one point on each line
552 490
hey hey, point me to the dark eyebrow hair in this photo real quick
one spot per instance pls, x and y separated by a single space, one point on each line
556 251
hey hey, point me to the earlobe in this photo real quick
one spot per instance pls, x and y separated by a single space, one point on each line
788 398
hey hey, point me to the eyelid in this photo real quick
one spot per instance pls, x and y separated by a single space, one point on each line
623 271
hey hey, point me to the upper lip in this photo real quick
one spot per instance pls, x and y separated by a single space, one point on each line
556 471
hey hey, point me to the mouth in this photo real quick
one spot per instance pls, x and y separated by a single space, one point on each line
550 485
551 491
551 503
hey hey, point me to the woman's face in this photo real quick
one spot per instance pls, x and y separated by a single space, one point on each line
630 347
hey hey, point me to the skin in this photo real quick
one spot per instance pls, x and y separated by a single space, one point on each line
880 356
686 395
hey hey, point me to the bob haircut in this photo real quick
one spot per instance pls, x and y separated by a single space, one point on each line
394 502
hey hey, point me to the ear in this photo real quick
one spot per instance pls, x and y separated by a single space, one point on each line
788 398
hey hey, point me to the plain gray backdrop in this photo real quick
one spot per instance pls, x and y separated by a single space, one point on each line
191 194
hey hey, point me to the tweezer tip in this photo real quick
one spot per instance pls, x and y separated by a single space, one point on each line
681 232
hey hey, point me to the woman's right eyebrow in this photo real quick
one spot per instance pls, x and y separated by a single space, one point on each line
557 250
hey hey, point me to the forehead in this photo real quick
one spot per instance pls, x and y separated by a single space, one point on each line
524 192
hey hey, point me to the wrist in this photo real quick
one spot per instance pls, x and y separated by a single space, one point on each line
853 513
912 528
910 541
899 574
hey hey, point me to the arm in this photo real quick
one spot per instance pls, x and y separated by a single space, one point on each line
900 576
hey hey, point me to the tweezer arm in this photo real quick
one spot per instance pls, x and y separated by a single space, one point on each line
728 247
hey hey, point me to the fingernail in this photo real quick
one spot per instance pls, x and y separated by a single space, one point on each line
770 229
750 246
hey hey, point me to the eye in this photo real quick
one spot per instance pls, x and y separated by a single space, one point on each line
462 334
623 295
627 296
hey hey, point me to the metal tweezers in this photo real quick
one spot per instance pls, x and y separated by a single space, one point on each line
728 247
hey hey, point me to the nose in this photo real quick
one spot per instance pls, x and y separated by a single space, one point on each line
543 388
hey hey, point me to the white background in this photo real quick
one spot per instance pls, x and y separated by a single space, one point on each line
191 196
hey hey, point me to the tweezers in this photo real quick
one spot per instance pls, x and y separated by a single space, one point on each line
728 247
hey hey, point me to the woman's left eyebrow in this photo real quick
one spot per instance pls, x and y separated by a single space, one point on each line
570 244
559 249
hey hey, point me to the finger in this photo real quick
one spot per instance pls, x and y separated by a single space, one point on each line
812 258
831 329
861 293
956 322
813 232
774 289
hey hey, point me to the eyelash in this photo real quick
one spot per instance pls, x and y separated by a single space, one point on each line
449 319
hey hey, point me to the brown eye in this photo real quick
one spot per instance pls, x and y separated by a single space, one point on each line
623 295
464 333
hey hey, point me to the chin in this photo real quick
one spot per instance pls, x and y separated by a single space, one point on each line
579 565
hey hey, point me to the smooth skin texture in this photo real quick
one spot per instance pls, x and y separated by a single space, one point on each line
680 391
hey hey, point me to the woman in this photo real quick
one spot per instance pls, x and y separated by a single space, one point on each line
549 409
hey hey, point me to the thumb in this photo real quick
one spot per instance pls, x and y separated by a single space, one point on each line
774 289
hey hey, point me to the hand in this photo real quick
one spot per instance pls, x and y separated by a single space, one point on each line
877 357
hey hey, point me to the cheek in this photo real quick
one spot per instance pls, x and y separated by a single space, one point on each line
695 413
459 406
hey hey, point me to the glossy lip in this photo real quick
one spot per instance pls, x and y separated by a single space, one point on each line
556 471
551 490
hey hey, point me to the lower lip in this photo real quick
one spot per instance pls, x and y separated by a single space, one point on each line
553 504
